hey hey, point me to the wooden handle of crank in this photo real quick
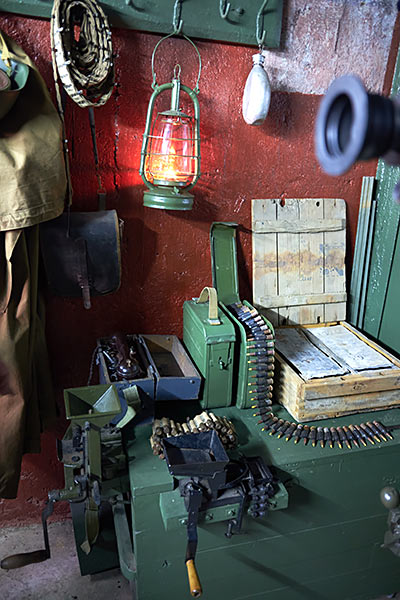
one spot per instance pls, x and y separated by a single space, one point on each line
194 581
15 561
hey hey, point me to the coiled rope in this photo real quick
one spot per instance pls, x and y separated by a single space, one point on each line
82 51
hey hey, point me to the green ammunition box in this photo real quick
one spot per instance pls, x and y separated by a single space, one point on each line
226 282
209 337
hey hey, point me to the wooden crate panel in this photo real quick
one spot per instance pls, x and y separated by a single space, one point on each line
373 388
304 356
298 259
358 355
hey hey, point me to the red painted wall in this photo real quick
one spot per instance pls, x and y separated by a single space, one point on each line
166 257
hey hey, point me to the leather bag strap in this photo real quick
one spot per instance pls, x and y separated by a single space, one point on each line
210 294
5 53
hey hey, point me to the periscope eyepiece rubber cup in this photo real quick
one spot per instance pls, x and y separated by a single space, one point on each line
353 125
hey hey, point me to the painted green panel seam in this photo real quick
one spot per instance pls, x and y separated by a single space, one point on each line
359 251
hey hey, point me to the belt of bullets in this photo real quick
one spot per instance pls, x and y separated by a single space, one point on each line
206 421
371 432
260 344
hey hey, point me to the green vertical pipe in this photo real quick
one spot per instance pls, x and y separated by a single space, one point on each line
359 251
367 265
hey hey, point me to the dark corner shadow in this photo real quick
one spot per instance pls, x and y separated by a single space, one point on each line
285 27
140 241
246 284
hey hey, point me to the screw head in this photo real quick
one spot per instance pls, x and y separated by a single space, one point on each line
209 517
231 513
183 521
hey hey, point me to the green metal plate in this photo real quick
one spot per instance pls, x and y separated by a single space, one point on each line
174 513
224 261
200 19
390 325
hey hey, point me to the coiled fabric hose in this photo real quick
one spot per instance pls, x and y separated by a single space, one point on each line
82 51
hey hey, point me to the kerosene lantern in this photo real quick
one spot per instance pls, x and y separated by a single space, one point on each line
170 157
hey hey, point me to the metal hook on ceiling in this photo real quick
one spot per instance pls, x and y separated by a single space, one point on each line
224 8
177 22
260 25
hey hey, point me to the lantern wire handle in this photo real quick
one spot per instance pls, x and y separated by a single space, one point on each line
260 25
154 85
177 71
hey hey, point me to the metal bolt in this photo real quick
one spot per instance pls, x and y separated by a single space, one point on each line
209 517
183 521
231 513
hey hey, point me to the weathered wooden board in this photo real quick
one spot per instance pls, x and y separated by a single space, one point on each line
351 349
298 270
308 360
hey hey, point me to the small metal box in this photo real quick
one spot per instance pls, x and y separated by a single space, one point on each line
176 376
168 372
211 347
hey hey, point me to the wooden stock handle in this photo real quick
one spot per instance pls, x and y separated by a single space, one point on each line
194 581
15 561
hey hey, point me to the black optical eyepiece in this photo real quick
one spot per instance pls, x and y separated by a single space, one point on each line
353 125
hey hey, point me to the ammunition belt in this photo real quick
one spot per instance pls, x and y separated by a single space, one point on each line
85 65
260 353
369 432
206 421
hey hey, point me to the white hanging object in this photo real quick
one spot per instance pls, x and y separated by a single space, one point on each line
257 93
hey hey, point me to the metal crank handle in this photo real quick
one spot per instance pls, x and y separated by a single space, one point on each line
15 561
194 581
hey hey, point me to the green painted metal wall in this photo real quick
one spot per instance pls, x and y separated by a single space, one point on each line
382 316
